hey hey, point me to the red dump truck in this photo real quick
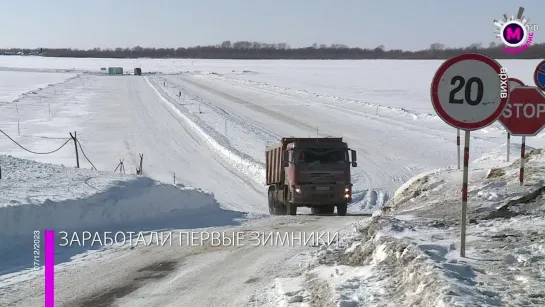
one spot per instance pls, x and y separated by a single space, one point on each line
309 172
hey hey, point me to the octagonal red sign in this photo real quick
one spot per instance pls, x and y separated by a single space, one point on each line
525 111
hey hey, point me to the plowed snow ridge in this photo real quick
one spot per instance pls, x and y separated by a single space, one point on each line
254 170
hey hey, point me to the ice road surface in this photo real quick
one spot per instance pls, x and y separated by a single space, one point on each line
201 127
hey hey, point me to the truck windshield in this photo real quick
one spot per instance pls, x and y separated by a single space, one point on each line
322 156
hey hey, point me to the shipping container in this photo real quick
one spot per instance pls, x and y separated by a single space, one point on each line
115 70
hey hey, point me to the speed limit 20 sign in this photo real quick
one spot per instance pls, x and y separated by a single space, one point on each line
470 91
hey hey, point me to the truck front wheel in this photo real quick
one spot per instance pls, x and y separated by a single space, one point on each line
341 209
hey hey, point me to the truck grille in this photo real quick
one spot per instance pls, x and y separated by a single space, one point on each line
322 177
318 197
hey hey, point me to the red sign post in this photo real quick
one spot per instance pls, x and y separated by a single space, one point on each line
513 83
524 116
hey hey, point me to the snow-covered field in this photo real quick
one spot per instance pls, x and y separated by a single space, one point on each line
203 167
16 85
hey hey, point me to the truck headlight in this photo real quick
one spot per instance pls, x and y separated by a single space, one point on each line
297 190
346 190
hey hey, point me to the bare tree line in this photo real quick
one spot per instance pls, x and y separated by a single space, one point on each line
257 50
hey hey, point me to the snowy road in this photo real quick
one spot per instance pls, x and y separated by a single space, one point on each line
386 143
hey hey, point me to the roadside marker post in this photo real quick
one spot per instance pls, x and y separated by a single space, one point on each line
513 83
469 92
524 116
539 75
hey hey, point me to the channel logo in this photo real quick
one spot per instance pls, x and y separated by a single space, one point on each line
515 32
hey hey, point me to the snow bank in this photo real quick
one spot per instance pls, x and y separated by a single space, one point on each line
499 155
245 164
38 196
490 185
291 292
410 256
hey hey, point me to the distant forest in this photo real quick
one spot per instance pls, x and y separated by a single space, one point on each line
256 51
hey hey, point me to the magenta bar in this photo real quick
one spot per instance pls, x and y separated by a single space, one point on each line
49 259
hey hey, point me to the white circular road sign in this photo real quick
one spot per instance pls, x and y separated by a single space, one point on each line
514 83
470 91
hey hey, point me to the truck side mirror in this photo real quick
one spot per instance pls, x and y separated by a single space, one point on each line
286 158
354 158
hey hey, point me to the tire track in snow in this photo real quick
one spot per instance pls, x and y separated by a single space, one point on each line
245 164
368 200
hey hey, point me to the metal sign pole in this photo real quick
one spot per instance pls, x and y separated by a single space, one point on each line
463 220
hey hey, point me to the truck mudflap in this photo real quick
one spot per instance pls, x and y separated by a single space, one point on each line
341 209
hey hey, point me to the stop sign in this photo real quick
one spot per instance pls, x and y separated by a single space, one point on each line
525 112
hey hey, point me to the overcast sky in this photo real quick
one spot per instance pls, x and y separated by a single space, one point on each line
397 24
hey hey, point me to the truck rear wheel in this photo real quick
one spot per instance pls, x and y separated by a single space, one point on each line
275 207
341 209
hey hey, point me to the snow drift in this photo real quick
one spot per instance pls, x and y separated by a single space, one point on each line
408 254
254 169
39 196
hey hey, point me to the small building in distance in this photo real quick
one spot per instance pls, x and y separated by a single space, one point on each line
137 71
115 70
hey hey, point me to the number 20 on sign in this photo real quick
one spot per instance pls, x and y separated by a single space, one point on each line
469 92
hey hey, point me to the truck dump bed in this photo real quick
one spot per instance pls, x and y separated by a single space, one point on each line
274 165
273 157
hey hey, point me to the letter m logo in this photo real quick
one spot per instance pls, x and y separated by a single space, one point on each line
513 35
